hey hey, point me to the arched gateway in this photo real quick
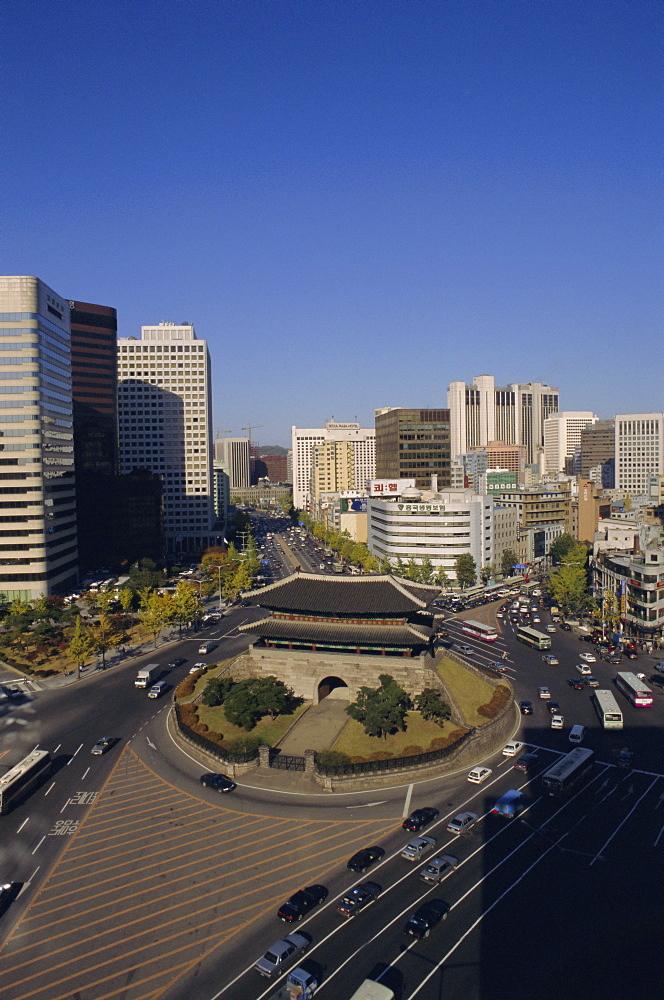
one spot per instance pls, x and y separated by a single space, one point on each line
329 634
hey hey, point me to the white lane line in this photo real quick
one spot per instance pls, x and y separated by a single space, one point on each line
22 824
73 755
406 806
85 773
620 825
52 785
366 805
39 845
57 748
33 875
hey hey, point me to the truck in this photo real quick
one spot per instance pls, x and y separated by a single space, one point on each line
147 675
300 985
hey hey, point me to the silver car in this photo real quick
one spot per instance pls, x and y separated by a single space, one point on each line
418 847
281 954
438 868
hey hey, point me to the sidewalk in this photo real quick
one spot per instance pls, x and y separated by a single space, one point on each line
317 729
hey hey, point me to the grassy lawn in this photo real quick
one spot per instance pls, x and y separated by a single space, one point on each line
467 688
269 730
355 742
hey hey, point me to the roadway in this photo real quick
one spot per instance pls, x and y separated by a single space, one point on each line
139 883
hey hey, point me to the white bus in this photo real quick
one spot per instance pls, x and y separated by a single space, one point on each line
487 633
638 693
567 771
607 709
18 780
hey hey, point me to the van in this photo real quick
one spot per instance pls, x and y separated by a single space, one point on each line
207 647
157 689
510 804
576 734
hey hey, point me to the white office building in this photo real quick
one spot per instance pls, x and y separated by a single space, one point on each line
483 412
164 414
639 450
562 437
305 440
232 454
38 504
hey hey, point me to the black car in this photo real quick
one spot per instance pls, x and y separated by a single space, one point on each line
553 707
177 661
365 858
576 683
301 902
219 782
565 626
426 917
526 707
8 893
525 761
419 819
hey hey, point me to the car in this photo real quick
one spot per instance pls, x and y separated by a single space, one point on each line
461 822
419 818
438 868
206 647
566 627
525 761
576 683
219 782
8 893
584 669
631 654
281 953
536 619
426 917
591 681
418 847
588 657
365 858
198 666
550 628
497 665
177 661
158 689
543 692
613 656
659 666
103 745
478 775
557 721
553 707
512 748
550 660
526 707
463 647
298 905
211 616
359 898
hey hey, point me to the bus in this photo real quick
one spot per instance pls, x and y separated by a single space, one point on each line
607 708
638 693
531 637
567 771
18 781
485 632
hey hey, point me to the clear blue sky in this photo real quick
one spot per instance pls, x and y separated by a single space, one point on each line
354 202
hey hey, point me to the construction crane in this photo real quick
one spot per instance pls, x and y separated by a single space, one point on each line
218 432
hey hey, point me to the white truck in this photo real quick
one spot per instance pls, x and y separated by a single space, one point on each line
147 675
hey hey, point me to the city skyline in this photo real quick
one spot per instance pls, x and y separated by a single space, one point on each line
356 204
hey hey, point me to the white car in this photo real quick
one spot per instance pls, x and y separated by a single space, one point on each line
588 657
544 692
512 748
557 722
198 666
478 775
418 847
584 669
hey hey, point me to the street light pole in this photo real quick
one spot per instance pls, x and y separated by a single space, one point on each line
219 577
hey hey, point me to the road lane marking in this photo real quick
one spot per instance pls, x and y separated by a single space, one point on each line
620 825
73 755
39 845
366 805
51 786
22 824
406 808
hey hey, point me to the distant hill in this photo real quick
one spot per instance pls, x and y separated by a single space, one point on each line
273 449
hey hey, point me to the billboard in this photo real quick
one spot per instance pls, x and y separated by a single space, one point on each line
388 487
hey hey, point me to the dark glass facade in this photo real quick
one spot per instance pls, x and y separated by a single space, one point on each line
413 444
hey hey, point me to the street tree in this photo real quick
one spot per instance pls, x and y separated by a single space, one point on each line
441 578
186 605
153 615
381 710
487 573
508 560
80 647
426 570
431 705
465 569
561 546
103 634
568 587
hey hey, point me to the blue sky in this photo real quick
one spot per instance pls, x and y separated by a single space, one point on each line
354 202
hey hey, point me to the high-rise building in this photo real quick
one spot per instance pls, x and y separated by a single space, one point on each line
413 444
38 506
562 437
515 414
597 449
363 440
164 411
639 450
276 466
233 455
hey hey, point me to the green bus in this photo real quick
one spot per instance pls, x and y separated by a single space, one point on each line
531 637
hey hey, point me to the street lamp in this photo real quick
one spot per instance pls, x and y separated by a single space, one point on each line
219 577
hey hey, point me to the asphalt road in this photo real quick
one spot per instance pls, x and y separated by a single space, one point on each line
140 883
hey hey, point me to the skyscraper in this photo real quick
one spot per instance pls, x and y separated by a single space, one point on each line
413 444
363 440
639 450
38 506
233 455
562 437
164 412
515 414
